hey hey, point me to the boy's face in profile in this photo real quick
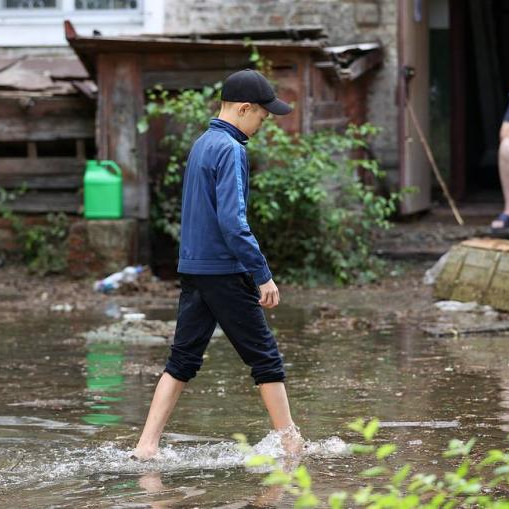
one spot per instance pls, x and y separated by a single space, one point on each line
251 117
248 117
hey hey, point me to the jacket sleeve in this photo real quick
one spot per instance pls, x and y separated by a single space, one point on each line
231 180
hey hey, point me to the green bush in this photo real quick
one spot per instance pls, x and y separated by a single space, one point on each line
483 483
43 247
312 216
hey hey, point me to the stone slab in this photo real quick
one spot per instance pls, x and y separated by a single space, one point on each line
476 270
99 248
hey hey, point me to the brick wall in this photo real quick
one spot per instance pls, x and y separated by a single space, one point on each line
345 21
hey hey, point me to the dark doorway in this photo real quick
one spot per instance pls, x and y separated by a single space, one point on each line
479 52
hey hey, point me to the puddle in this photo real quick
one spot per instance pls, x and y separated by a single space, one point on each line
71 410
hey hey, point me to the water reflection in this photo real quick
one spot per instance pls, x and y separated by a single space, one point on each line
105 382
67 437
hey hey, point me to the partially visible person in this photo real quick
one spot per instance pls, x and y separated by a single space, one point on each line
500 226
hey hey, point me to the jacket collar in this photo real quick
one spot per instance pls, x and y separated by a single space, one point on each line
235 133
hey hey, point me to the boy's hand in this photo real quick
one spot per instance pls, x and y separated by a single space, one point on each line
269 294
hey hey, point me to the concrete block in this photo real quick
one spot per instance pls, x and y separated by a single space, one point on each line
101 247
476 270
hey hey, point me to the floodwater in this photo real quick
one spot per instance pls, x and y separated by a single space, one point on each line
70 411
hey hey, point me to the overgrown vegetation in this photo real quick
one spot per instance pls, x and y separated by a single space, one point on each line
42 246
470 483
312 215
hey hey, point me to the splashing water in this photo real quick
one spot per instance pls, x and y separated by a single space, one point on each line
107 458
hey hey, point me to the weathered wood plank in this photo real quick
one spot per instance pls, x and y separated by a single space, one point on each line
48 202
43 166
41 182
330 123
362 65
176 59
45 128
177 80
120 108
327 110
43 106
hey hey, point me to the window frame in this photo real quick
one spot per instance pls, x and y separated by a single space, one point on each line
66 7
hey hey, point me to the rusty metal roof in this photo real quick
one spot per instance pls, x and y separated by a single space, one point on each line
290 33
87 48
347 62
350 61
44 76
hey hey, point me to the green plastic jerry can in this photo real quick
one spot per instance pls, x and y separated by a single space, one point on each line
103 190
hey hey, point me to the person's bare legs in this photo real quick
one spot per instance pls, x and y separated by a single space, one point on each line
165 398
503 170
276 401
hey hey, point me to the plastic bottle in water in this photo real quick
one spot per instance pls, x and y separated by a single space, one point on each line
114 281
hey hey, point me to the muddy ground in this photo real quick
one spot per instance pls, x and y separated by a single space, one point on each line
400 297
409 249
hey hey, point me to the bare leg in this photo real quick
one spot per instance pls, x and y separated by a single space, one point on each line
165 398
503 169
276 401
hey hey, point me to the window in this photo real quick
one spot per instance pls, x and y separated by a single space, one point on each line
106 4
79 5
28 4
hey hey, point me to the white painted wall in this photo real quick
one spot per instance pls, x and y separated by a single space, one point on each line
45 27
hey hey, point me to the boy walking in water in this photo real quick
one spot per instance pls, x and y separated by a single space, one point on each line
225 277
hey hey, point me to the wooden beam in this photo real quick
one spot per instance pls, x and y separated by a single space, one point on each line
46 128
362 65
119 109
32 150
177 80
80 149
44 202
41 182
44 166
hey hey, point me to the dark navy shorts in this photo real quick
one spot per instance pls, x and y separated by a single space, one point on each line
232 301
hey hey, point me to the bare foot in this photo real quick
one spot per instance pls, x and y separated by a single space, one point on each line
291 440
145 452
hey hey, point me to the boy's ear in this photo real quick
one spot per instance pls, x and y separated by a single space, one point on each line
243 108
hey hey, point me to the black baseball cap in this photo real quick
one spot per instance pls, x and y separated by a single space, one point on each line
250 86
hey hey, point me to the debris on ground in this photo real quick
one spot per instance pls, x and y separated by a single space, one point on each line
431 275
147 332
455 306
128 275
24 292
138 331
453 330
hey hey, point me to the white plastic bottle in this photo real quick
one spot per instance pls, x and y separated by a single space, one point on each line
113 281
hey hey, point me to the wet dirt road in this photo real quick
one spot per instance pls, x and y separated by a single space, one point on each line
70 410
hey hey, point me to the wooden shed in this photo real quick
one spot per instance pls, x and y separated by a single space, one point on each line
309 74
47 130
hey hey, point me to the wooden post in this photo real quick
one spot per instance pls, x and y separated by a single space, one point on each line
120 106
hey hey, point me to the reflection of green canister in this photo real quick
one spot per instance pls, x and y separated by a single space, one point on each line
104 376
102 187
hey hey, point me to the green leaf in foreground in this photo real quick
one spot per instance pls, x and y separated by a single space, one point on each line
259 461
277 477
385 450
371 429
374 471
306 500
337 499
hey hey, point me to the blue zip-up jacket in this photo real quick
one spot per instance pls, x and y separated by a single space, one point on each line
215 237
